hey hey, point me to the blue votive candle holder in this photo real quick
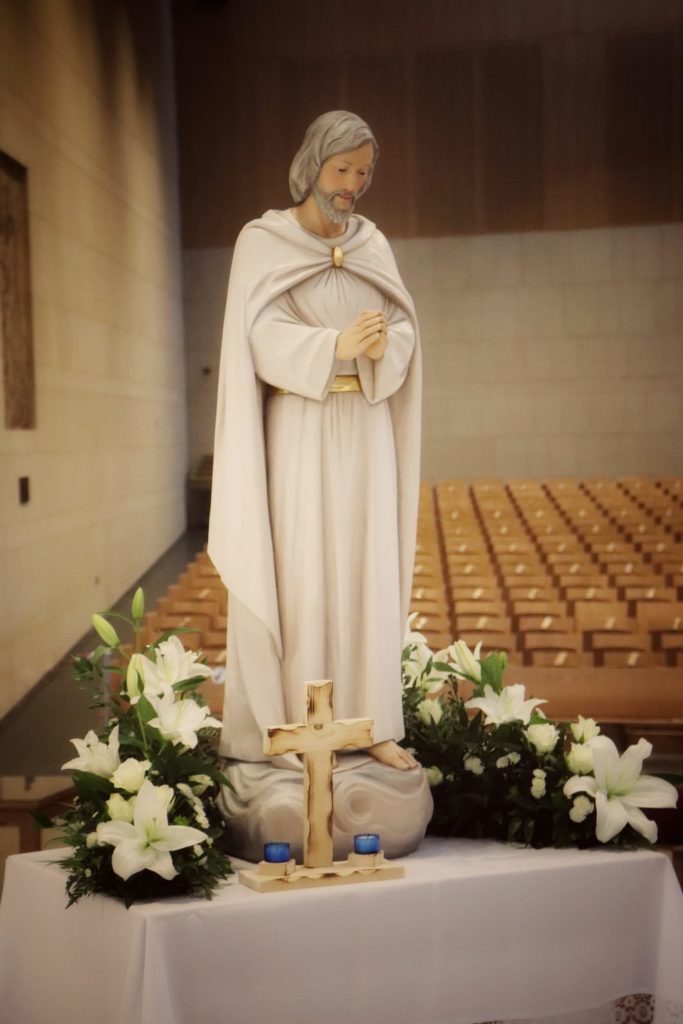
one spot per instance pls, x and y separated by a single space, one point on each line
276 853
366 842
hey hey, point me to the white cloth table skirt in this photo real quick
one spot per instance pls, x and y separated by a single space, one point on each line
477 931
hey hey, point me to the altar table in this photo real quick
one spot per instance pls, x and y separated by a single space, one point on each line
477 931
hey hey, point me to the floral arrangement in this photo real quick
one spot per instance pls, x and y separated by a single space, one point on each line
143 823
499 768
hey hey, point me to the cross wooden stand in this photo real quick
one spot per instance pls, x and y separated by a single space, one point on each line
317 740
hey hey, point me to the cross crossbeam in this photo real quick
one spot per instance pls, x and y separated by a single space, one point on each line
317 740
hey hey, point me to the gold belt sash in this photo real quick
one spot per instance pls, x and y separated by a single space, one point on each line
342 382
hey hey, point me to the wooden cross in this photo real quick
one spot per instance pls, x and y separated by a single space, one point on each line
317 740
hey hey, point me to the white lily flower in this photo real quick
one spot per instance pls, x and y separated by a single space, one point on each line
507 706
414 666
95 756
619 789
584 729
180 720
433 683
173 665
466 662
148 841
411 635
429 711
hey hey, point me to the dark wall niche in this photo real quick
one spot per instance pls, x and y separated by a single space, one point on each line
15 297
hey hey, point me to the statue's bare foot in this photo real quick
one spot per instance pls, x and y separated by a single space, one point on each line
391 754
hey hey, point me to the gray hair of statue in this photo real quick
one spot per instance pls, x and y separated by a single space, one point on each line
338 131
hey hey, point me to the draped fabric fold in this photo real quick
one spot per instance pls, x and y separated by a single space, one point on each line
278 330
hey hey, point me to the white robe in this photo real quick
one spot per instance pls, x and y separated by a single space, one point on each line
339 515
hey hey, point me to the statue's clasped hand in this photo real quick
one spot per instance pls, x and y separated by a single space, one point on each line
367 335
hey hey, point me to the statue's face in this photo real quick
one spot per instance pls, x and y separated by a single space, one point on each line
340 180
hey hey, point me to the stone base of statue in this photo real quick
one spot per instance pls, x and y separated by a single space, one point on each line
267 806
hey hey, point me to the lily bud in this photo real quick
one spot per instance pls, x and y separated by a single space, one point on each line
134 678
105 630
137 608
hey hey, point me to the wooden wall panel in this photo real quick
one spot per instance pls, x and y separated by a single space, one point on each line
229 136
376 88
445 143
511 112
235 29
305 88
509 115
575 193
640 128
677 213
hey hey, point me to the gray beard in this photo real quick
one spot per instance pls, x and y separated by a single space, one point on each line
324 201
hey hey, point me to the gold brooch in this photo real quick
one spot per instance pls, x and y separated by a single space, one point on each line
337 256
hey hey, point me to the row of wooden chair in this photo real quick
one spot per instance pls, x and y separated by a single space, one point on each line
429 600
548 572
197 605
540 570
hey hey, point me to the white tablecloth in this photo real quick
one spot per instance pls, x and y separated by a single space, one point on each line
477 931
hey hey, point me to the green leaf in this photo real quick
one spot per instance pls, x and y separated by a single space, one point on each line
514 827
42 820
186 685
492 668
145 710
443 666
89 785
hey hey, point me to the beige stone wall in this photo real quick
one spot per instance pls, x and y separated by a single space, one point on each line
86 103
545 354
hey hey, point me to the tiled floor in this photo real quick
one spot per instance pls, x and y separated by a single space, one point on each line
34 736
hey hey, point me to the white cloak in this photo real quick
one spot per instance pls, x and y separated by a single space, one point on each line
314 497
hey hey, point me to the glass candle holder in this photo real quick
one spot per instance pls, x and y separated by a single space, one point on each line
276 853
366 842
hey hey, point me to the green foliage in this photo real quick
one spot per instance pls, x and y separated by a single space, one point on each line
168 762
486 783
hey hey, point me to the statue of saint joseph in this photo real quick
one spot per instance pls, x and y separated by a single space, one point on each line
316 458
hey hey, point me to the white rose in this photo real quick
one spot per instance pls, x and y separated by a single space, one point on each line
584 729
130 774
92 839
580 809
579 759
434 776
120 809
473 764
538 784
543 737
429 711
